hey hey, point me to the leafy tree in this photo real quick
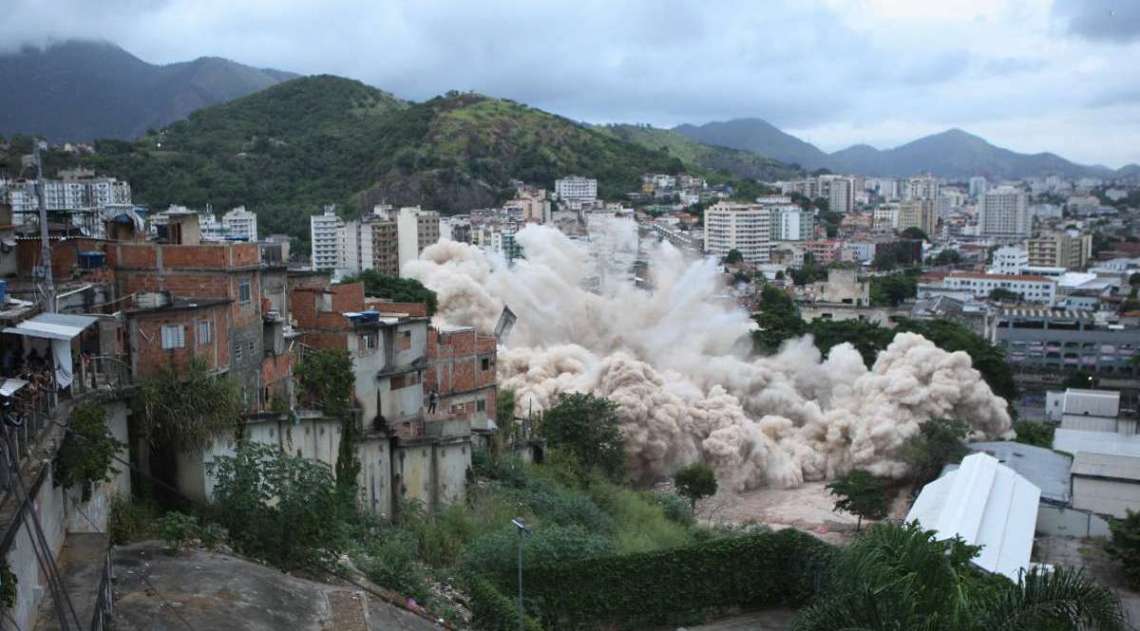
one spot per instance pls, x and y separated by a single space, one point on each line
861 494
88 449
395 289
893 290
277 507
733 257
1004 295
587 428
695 481
185 409
867 337
809 272
940 441
778 320
1125 546
914 233
947 257
902 577
1080 379
1034 433
328 382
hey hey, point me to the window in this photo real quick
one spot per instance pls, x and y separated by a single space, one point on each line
486 363
244 293
205 332
481 405
237 351
173 336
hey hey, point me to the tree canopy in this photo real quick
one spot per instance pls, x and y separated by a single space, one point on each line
861 494
395 288
587 428
695 481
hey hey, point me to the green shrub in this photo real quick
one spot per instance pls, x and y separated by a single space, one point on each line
492 611
178 529
391 561
646 589
130 520
88 449
9 584
497 552
675 507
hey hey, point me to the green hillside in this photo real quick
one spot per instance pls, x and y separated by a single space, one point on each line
733 162
287 150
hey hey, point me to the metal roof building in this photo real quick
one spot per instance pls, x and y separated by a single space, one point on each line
1075 441
1107 484
1045 468
987 504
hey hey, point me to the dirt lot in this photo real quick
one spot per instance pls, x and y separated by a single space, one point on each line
809 508
1089 554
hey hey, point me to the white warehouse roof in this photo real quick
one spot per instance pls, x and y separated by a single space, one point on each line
1092 402
1075 441
988 505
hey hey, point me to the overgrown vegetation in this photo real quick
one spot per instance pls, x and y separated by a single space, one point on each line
394 288
587 428
8 586
901 577
694 482
940 441
85 456
131 520
1034 433
1125 546
187 407
326 378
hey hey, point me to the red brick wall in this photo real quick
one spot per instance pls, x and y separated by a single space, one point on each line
64 255
146 339
455 361
418 309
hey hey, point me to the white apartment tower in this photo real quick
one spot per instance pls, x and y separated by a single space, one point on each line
1004 212
792 223
240 224
743 227
576 191
1010 260
326 235
978 186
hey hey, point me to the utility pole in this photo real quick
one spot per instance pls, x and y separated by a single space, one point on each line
48 286
523 531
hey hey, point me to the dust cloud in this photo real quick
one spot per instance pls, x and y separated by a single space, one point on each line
677 362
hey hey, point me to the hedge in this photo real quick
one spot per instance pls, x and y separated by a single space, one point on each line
779 569
492 611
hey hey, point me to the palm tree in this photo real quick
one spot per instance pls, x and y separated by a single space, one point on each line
899 577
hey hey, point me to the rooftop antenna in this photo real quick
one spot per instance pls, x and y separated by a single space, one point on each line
47 288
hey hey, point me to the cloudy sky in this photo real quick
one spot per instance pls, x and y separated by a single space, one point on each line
1031 75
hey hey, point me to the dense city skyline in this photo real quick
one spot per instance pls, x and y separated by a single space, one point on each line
1030 75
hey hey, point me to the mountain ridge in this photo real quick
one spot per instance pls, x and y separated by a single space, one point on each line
953 153
80 90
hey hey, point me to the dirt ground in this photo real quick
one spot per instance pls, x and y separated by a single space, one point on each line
809 508
1089 554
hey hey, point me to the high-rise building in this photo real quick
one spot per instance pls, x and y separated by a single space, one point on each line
576 191
379 245
746 228
792 223
978 186
1060 248
921 187
416 229
917 213
240 224
1004 212
326 237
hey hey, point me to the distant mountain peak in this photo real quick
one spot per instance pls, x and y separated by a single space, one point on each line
82 89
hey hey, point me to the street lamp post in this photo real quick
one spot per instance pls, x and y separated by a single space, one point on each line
523 532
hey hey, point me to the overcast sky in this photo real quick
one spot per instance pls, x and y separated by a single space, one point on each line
1030 75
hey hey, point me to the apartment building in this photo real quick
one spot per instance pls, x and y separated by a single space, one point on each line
416 229
1010 260
1060 248
978 186
87 199
1003 212
240 224
576 191
326 239
461 372
746 228
1065 340
792 223
917 213
1037 289
922 187
886 217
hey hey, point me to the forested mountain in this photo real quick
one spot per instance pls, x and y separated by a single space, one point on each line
83 90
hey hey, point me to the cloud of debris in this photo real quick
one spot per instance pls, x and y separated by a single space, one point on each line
676 360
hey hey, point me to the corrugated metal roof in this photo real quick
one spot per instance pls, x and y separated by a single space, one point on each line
52 326
1106 466
1092 402
1045 468
988 505
1075 441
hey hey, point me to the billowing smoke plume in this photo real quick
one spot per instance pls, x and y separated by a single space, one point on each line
675 360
